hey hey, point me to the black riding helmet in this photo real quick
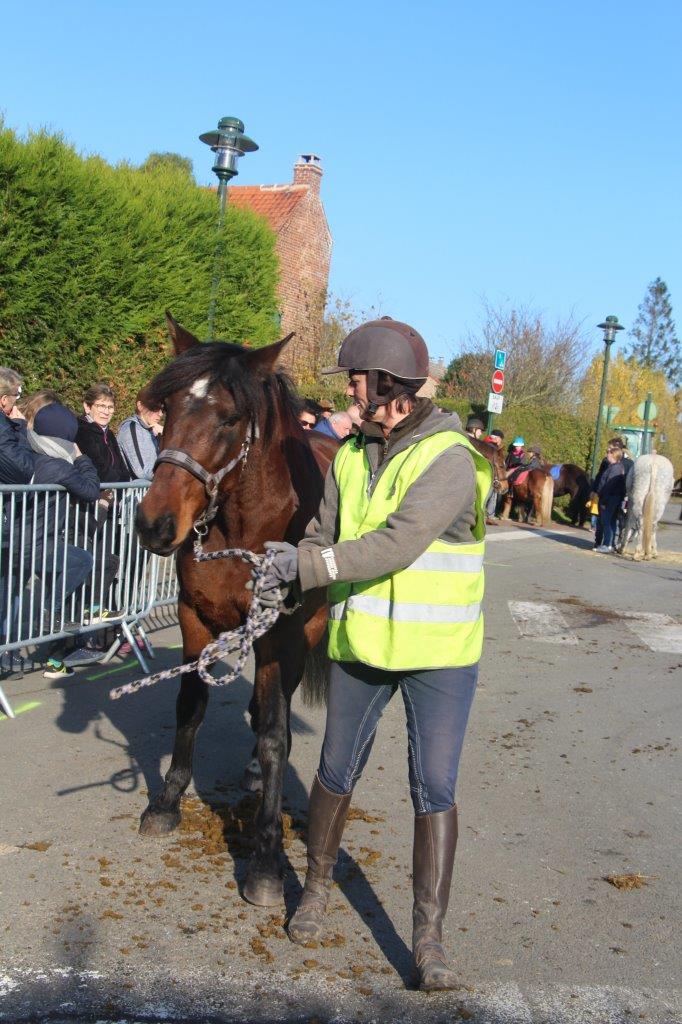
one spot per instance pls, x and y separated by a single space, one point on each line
385 346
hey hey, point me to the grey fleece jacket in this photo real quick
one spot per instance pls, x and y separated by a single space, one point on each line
440 504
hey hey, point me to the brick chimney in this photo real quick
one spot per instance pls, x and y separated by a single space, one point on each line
308 171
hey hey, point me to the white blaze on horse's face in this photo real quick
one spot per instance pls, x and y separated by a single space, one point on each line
199 388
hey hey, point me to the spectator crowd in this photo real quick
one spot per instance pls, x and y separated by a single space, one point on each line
47 553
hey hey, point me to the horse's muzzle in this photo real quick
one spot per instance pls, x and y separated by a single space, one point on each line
158 536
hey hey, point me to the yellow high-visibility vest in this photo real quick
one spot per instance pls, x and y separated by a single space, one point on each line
427 615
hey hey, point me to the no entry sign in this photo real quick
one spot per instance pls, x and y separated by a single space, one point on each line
497 383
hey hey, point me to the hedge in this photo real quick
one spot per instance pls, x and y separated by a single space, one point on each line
563 437
91 255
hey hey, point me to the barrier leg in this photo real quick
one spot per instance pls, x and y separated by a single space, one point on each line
145 639
128 634
5 705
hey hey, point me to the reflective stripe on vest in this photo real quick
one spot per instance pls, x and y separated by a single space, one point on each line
427 615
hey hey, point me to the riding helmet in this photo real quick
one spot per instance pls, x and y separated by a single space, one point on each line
387 346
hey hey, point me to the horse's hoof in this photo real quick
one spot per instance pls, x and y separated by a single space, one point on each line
154 823
263 891
252 779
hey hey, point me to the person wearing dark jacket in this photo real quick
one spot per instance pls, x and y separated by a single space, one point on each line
96 440
609 486
16 467
16 457
58 462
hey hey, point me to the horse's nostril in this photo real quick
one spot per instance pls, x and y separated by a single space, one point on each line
157 535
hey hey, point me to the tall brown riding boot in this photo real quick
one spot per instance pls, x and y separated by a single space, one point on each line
435 839
327 813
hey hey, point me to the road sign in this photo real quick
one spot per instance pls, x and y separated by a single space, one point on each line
495 402
641 409
500 358
498 382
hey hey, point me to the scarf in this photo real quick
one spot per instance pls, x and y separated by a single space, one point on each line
55 447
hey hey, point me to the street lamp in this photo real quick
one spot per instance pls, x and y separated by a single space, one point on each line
228 143
610 327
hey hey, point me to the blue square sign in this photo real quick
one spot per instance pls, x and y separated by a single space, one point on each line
500 359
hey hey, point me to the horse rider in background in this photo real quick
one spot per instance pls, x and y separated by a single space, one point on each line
398 541
519 460
475 427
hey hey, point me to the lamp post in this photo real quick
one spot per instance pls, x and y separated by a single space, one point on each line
228 143
610 327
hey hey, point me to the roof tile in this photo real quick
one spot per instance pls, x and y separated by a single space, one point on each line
274 202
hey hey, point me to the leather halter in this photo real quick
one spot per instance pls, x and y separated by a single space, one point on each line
211 481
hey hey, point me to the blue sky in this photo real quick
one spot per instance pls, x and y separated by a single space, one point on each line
525 152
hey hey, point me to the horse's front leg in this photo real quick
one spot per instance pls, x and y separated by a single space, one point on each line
264 880
162 815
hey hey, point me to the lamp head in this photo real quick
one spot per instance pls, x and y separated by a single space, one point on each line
228 143
610 327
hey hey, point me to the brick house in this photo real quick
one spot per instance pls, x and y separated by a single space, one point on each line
304 247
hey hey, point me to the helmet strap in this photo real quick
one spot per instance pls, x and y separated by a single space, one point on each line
375 400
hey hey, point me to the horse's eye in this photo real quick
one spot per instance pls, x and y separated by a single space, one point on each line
230 421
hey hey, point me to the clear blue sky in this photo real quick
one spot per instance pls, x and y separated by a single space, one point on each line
522 151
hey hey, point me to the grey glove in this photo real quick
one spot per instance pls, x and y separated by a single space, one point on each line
280 575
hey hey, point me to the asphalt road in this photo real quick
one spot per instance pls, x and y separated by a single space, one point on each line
570 774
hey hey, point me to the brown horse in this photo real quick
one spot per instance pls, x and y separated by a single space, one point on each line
495 457
571 479
534 492
231 432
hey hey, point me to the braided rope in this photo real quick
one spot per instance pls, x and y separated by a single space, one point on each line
258 621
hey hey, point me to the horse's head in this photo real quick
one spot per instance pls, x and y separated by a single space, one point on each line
495 457
500 470
212 395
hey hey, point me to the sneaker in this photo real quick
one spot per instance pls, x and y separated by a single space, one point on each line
603 549
57 670
83 656
97 614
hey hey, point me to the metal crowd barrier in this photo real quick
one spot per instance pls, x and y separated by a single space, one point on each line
45 534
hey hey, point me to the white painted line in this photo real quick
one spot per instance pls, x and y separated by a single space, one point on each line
541 622
510 535
659 632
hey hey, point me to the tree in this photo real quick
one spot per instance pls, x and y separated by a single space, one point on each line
544 361
168 160
340 318
654 341
629 382
91 255
468 377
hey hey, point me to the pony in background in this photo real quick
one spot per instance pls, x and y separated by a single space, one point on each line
649 485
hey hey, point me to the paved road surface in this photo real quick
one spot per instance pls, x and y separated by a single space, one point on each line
570 773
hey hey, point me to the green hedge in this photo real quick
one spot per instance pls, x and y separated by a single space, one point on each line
562 436
92 255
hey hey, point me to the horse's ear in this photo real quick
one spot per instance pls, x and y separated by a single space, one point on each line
182 339
265 359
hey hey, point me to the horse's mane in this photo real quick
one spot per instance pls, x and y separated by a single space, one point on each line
223 363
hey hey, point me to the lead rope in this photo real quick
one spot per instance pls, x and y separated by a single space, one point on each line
258 621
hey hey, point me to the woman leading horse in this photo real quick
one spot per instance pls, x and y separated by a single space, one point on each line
398 541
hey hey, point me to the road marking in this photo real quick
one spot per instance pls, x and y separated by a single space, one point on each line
511 535
541 621
659 632
30 705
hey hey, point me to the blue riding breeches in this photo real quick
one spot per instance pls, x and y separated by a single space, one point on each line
437 704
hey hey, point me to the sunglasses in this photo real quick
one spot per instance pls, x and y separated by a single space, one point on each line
14 394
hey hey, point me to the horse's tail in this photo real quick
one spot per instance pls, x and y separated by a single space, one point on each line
546 500
648 511
315 682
